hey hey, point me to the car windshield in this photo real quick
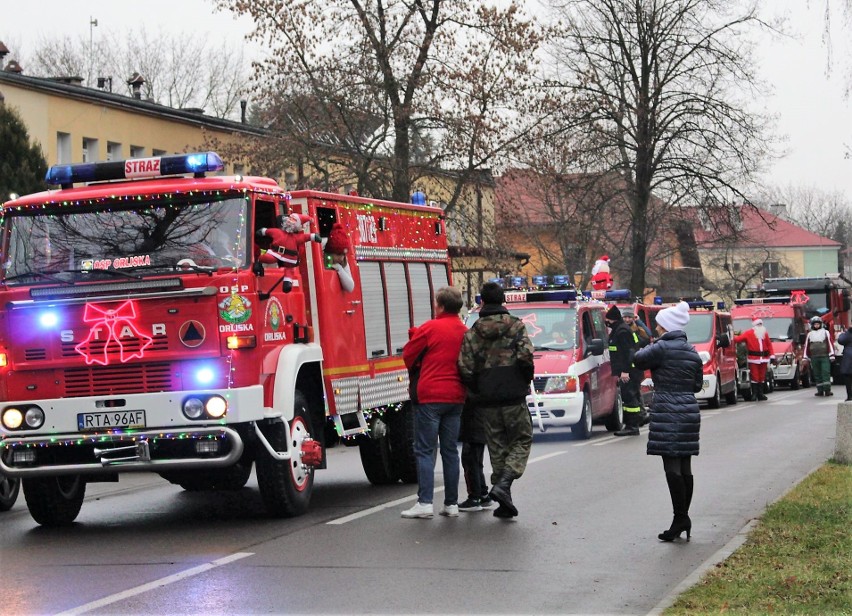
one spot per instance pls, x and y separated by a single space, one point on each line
777 328
548 328
69 244
700 327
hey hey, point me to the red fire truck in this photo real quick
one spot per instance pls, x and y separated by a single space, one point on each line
827 297
140 332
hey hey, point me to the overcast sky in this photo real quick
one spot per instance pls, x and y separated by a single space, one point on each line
811 109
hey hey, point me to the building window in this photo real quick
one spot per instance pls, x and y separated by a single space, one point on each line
770 269
113 150
90 150
668 262
238 169
156 152
137 151
63 148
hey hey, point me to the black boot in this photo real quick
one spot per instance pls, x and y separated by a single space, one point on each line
760 394
681 521
644 418
848 388
501 492
631 425
688 484
757 392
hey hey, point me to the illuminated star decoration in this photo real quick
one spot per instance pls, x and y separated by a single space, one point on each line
118 324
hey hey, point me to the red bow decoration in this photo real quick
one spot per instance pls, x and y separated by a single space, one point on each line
118 323
799 297
529 320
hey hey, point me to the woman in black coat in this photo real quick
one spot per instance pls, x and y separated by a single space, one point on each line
676 370
845 339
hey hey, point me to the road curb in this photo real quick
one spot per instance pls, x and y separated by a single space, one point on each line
721 555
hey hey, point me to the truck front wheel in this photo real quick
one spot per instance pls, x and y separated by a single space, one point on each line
285 485
54 501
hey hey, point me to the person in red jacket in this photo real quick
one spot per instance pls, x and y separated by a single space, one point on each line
440 397
759 355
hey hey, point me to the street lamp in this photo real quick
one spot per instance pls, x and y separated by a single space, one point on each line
92 24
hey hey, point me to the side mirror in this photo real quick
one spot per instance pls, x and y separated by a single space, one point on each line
723 341
596 347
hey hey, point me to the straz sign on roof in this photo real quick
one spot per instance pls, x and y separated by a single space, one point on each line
142 168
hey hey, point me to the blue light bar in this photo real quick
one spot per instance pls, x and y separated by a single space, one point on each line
539 281
748 301
617 294
552 296
561 280
134 168
518 281
696 305
418 198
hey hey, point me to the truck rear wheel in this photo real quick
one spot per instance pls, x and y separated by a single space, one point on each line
285 485
401 435
376 460
9 488
54 501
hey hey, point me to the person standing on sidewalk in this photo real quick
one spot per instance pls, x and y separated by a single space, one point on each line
675 418
845 340
440 397
819 351
496 364
622 343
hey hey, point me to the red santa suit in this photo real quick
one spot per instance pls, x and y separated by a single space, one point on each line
759 348
286 242
601 279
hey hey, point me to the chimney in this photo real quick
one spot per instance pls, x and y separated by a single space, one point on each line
3 51
13 67
103 82
779 210
243 104
135 82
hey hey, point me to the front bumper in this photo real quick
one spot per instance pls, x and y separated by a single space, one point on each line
708 388
555 410
168 440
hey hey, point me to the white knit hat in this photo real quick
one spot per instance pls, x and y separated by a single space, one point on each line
674 318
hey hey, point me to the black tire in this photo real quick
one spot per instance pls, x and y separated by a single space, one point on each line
716 401
376 460
615 420
9 488
54 501
795 383
806 378
401 436
285 485
583 428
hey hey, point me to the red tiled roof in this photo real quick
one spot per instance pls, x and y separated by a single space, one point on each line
762 228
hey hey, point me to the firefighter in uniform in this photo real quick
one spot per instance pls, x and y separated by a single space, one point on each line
621 349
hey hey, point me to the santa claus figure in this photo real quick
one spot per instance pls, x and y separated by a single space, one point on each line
336 248
760 353
601 279
286 241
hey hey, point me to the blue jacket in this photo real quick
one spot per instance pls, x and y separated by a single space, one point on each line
677 373
846 361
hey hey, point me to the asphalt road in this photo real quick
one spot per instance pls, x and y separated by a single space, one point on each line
584 543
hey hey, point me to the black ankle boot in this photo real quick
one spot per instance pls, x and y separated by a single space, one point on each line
681 521
631 425
501 491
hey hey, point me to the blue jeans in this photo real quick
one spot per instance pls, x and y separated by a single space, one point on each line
434 422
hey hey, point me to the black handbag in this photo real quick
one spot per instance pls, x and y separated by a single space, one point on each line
414 377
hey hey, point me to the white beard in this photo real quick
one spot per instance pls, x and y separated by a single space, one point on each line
760 331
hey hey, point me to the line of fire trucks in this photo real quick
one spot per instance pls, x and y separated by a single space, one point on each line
144 329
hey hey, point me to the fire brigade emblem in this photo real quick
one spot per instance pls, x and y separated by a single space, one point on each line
273 314
235 309
192 334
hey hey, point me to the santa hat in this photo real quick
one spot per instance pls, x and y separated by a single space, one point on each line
674 318
604 258
294 222
338 241
757 321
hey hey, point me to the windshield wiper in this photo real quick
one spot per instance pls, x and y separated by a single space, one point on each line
111 272
45 275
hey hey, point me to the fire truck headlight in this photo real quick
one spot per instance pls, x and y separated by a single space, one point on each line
216 406
193 408
705 356
204 376
4 360
12 418
48 319
34 417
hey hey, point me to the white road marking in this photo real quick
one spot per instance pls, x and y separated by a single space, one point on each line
400 501
171 579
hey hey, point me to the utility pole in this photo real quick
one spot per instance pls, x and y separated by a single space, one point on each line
92 24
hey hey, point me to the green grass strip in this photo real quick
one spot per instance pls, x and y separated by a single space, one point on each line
798 560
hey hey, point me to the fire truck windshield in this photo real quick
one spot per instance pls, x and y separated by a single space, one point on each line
700 327
777 328
70 244
548 328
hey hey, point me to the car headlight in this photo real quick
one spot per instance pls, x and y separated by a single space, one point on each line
560 384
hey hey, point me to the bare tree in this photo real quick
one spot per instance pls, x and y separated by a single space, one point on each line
660 93
826 213
391 90
732 271
180 71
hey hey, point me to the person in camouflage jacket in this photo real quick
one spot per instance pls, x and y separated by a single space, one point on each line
496 365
